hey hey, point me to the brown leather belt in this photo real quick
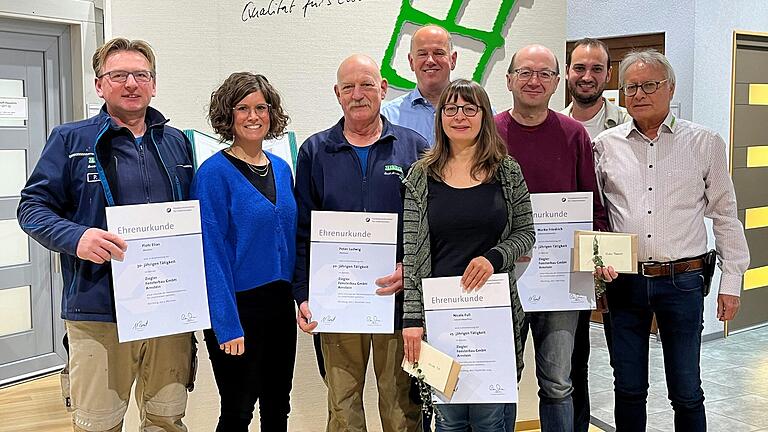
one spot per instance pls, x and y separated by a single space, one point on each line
656 269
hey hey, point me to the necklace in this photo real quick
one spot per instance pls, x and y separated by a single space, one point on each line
260 171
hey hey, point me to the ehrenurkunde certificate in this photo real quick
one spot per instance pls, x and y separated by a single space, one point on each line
160 285
348 252
475 329
548 283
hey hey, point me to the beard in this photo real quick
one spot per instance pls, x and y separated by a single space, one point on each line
588 100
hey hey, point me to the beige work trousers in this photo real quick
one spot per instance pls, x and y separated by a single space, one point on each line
346 361
102 372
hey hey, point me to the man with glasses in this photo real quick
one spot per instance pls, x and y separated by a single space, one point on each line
555 154
660 177
124 155
588 69
432 58
357 166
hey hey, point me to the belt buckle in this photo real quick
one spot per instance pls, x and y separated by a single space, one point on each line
643 266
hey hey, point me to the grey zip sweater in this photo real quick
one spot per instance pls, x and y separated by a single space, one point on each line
516 240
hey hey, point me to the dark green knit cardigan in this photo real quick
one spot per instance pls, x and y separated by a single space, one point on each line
516 240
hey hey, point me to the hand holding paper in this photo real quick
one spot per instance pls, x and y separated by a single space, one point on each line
412 343
303 317
391 284
99 246
477 273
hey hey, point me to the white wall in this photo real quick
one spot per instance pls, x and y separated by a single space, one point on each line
199 44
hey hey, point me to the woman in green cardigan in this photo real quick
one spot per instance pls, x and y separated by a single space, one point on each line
467 213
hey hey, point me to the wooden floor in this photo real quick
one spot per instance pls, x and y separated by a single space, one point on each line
37 405
34 406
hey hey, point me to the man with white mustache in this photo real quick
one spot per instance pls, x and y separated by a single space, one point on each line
358 165
588 70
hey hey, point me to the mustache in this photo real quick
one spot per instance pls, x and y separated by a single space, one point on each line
359 104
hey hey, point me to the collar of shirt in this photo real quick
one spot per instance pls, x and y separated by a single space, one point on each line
337 141
668 125
416 98
614 115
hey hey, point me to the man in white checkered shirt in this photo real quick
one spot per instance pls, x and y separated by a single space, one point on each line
660 176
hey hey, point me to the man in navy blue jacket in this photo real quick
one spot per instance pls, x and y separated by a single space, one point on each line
124 155
358 165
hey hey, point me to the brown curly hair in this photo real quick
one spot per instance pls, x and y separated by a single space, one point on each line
233 90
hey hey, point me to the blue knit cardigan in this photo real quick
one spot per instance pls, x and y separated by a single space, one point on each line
248 242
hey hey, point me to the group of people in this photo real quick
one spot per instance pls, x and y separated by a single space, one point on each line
458 174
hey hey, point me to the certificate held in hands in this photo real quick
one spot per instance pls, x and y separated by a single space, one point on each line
618 250
439 370
348 252
160 285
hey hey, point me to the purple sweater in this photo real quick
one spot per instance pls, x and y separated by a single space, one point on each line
555 156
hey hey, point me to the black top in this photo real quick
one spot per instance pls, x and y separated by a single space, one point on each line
464 224
264 184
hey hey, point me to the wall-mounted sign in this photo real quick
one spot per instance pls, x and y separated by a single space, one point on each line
93 109
12 107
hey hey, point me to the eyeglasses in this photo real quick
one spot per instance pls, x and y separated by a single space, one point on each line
469 110
260 109
545 75
649 87
121 76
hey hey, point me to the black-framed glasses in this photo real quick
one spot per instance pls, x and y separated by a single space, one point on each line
121 76
649 87
469 110
259 109
544 75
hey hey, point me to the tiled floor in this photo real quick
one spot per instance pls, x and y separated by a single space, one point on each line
734 378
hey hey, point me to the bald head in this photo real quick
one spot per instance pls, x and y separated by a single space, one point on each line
358 63
429 33
537 53
360 89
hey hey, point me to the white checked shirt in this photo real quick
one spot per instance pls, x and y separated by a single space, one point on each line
662 189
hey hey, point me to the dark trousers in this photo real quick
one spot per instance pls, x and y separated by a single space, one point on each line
265 371
678 303
580 368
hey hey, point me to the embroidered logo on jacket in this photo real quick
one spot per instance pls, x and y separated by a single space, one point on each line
393 169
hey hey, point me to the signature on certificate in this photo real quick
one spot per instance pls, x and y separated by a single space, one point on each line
140 325
534 298
188 318
327 319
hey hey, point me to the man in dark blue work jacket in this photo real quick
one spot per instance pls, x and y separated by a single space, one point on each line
124 155
357 166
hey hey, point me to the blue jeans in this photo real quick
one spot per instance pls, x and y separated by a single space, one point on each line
553 336
460 417
679 306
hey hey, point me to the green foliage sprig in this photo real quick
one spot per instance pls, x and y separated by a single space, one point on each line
598 261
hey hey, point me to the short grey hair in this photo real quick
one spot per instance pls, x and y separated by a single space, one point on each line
648 57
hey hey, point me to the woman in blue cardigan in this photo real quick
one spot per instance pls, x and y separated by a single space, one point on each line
249 230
